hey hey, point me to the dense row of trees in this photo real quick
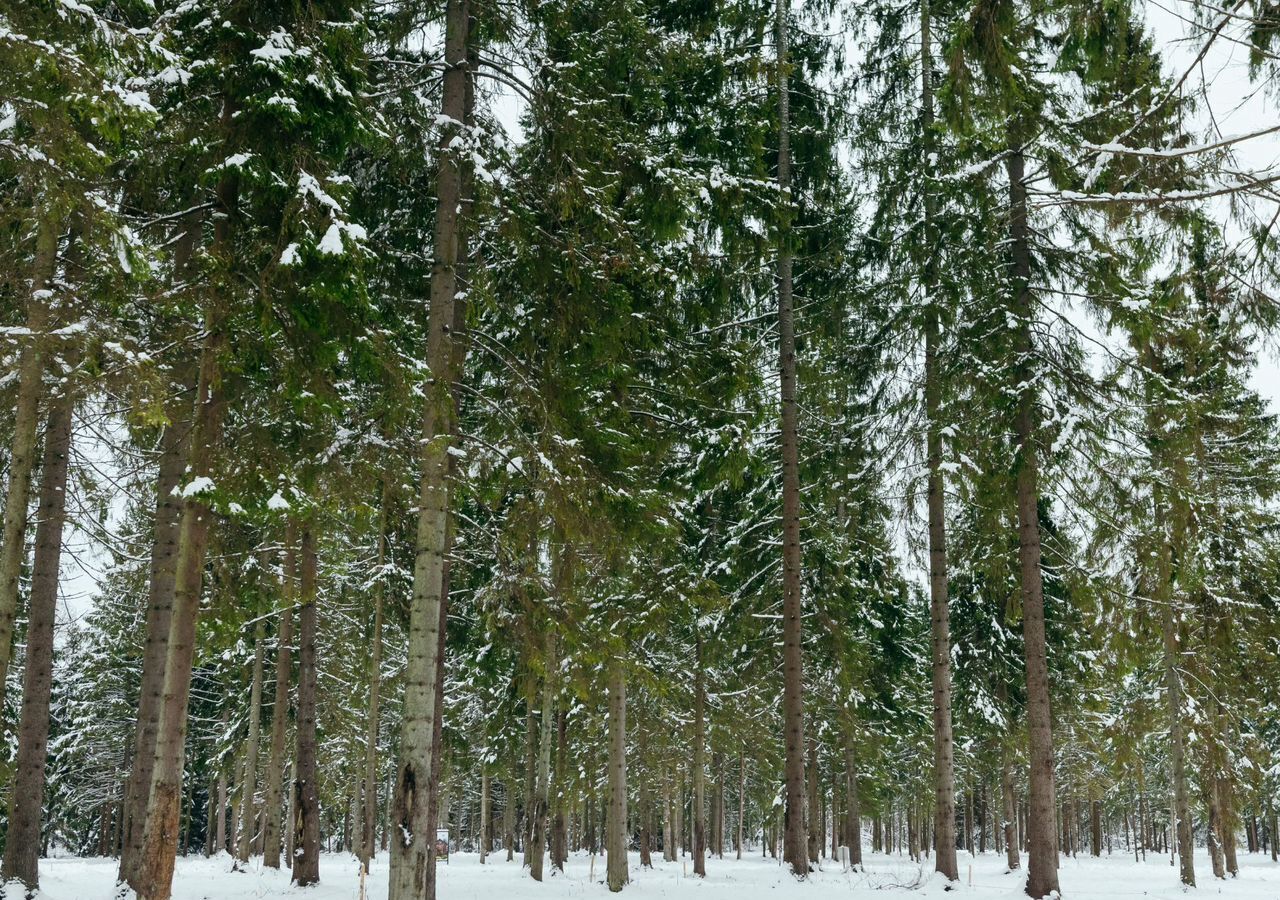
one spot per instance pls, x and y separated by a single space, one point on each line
558 476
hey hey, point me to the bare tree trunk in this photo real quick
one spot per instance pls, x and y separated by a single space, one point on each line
616 824
853 818
814 814
174 450
559 836
279 715
306 796
249 789
742 799
164 809
944 779
484 811
699 761
26 798
31 365
1042 855
538 845
668 824
646 804
369 817
509 818
1177 742
1012 858
794 849
220 814
412 848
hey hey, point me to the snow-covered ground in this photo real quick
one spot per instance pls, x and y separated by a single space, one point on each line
982 878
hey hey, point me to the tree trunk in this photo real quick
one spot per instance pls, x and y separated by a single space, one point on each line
31 365
668 824
742 799
26 798
1042 855
559 835
853 817
538 845
279 715
1226 805
616 824
411 850
794 851
699 761
174 451
306 796
944 780
509 819
646 805
814 814
1012 858
164 809
1173 692
484 811
1095 825
250 786
220 812
369 816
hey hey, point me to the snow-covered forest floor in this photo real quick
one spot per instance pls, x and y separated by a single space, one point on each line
982 878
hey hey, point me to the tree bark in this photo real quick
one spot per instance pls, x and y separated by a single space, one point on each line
26 798
250 786
853 817
668 824
1173 695
306 796
814 814
794 844
484 811
1042 855
944 780
742 799
174 450
164 809
616 823
559 837
31 365
1012 858
699 761
279 714
369 816
413 844
542 786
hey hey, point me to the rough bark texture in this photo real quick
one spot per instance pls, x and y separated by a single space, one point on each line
668 823
274 793
853 815
1173 699
814 845
163 820
174 450
26 797
369 816
616 820
794 840
23 449
542 783
944 777
413 839
1042 853
559 827
1012 858
306 794
699 762
250 785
